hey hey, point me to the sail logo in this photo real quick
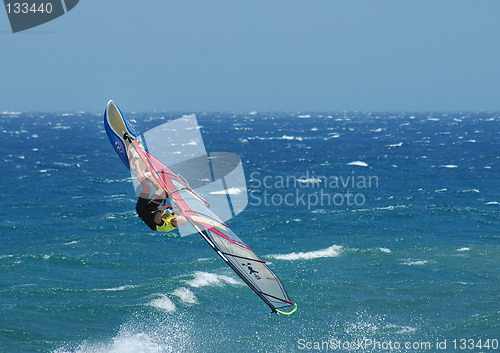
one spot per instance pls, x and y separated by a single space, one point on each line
25 14
119 147
252 271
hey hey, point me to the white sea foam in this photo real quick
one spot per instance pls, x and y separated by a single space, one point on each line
441 190
471 190
115 289
415 262
463 249
230 191
309 181
286 137
167 335
450 166
190 143
62 164
61 127
396 145
124 343
401 329
185 295
358 163
203 279
332 251
162 303
387 251
492 203
385 208
205 259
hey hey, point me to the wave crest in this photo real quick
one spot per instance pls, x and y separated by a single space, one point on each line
332 251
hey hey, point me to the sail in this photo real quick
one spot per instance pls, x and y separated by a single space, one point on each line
219 176
239 256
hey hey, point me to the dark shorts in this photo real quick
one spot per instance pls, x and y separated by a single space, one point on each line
147 210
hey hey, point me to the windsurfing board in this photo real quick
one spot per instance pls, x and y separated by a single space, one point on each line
118 129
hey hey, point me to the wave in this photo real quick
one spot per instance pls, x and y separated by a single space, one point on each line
470 190
203 279
409 262
367 326
190 143
358 163
286 137
185 295
400 329
332 251
386 208
114 289
230 191
163 303
173 334
61 127
309 181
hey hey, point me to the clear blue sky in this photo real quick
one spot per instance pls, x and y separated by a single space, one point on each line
264 55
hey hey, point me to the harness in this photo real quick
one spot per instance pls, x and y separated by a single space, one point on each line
167 225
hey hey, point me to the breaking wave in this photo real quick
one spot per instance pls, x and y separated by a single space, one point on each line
203 279
332 251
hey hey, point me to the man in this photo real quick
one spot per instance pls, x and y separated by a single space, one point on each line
148 208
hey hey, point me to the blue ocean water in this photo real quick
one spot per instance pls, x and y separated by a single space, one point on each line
383 227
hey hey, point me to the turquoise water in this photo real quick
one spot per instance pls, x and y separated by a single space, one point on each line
408 254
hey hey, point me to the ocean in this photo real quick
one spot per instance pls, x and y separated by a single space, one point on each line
384 228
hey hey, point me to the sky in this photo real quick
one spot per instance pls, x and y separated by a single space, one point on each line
259 55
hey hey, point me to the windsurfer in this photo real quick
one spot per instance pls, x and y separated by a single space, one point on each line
148 207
